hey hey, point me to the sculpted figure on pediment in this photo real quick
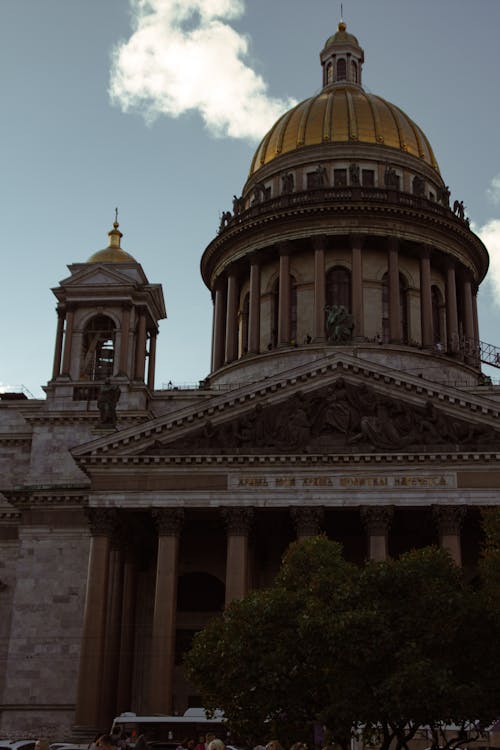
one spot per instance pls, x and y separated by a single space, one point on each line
341 417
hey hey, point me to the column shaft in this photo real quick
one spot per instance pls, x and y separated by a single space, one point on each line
68 341
284 312
124 342
357 285
449 519
56 369
426 299
164 614
219 326
451 311
112 638
231 318
89 690
238 521
140 352
127 635
468 313
254 307
377 520
394 295
319 290
152 361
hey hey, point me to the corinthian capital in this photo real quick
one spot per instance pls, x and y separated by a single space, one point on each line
102 521
238 520
307 521
169 521
377 518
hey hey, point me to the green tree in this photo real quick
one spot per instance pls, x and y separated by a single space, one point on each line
382 650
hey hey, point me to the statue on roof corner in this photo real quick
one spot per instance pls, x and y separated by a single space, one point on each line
339 324
107 399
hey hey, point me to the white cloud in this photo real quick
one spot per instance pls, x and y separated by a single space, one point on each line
490 235
183 56
493 192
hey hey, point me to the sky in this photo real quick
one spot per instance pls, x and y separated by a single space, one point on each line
157 106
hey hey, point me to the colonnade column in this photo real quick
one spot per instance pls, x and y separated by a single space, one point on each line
254 306
377 520
394 295
231 352
56 369
319 288
467 307
140 352
127 634
449 519
284 295
89 689
426 298
124 341
475 316
357 285
451 310
219 327
169 523
238 523
68 341
307 521
111 659
152 360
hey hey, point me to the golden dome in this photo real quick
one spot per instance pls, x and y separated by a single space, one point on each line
341 36
113 253
343 114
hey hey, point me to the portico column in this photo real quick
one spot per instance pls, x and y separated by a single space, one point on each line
284 313
319 288
169 524
127 634
238 523
68 341
307 521
140 352
426 298
89 690
231 317
112 638
449 519
219 329
357 285
254 306
152 361
394 296
56 369
377 520
124 341
451 310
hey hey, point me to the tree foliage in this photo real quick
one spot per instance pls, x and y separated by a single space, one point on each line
384 650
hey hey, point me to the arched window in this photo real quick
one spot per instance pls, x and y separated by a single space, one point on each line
341 70
329 73
98 348
403 303
200 592
338 287
354 72
244 325
436 314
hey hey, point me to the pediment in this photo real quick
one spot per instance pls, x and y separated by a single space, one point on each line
335 406
97 275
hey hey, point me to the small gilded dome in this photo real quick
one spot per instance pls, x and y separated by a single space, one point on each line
113 253
341 36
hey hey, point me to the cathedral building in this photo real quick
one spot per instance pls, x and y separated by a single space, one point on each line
345 396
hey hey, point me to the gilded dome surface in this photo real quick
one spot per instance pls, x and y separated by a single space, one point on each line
111 255
343 114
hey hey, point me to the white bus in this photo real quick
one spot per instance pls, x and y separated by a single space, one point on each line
169 731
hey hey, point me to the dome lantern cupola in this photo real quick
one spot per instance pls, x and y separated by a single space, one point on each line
342 59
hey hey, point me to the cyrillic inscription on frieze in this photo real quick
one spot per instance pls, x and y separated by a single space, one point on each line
342 482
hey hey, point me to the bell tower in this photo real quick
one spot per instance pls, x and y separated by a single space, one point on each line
108 316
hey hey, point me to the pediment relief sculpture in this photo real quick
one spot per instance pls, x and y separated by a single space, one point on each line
338 418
